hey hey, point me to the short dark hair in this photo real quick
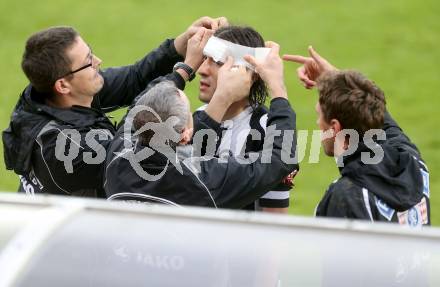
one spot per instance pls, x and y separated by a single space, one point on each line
348 96
247 36
45 59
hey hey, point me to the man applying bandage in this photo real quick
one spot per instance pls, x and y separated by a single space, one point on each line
243 126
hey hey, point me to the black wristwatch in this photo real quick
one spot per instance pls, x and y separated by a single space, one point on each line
186 68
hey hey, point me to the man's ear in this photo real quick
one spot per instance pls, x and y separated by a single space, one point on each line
336 126
61 87
186 135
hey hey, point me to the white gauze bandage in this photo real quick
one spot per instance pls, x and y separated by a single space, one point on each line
219 49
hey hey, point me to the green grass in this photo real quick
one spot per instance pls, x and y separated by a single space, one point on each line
394 42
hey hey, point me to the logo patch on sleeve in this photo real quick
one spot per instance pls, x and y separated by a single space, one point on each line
425 176
415 216
384 209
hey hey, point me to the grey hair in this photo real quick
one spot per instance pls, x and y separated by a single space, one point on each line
165 101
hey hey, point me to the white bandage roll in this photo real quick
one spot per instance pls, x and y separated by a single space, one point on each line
219 49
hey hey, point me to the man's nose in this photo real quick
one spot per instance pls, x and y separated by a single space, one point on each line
96 61
203 69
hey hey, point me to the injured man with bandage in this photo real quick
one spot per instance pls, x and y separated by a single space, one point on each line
243 127
151 160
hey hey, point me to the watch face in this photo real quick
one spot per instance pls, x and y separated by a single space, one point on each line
177 66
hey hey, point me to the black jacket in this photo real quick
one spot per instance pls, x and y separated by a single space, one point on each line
214 183
30 141
396 189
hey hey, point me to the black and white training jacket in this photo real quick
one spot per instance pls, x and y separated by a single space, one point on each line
40 137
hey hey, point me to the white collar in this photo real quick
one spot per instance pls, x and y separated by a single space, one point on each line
228 124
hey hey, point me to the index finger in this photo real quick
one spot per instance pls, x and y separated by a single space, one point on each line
250 59
222 22
199 34
208 33
205 21
228 63
214 25
274 47
295 58
318 59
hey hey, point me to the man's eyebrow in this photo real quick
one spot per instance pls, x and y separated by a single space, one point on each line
217 62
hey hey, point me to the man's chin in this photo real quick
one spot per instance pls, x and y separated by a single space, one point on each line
329 153
100 83
203 98
327 150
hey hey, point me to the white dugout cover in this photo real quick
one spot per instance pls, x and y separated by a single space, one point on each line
61 241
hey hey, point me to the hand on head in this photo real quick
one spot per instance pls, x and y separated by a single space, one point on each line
194 52
206 22
233 85
233 82
271 70
210 23
312 67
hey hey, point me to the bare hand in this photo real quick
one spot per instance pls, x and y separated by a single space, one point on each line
312 67
233 82
180 43
194 53
271 70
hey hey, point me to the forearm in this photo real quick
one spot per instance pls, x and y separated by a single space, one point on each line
218 106
260 176
203 121
278 90
206 133
173 77
123 84
281 121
